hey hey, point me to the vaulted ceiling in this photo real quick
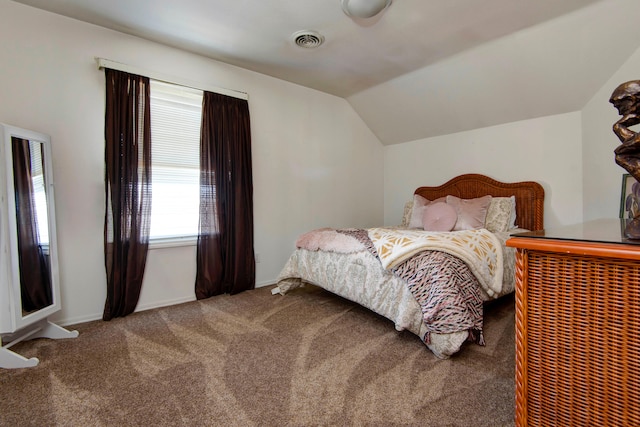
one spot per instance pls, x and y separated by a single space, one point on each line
422 68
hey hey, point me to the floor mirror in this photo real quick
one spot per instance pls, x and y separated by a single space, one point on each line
29 279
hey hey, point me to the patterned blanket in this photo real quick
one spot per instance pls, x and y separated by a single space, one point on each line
479 249
447 292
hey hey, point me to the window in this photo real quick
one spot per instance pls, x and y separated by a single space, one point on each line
176 113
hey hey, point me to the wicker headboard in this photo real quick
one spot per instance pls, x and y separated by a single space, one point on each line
529 195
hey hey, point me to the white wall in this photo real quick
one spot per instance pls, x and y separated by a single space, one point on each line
314 161
547 69
602 176
547 150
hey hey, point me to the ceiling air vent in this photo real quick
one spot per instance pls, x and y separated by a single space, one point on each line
308 39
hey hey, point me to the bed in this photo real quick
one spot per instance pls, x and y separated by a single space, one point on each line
425 275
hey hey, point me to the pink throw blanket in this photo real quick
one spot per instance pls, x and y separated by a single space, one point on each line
329 240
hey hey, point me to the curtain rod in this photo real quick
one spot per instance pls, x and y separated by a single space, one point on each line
106 63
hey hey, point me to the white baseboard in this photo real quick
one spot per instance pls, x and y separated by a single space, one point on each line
158 304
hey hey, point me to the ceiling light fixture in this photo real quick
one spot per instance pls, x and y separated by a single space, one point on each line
308 39
364 8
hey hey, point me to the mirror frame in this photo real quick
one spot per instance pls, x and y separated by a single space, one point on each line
11 316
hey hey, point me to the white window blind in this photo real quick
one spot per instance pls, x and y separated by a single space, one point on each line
40 196
176 113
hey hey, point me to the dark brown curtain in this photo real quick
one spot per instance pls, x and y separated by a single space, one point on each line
225 257
35 280
127 189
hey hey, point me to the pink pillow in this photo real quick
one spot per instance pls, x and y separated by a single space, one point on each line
471 212
439 217
419 203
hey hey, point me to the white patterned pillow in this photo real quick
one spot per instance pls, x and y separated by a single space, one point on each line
406 216
501 214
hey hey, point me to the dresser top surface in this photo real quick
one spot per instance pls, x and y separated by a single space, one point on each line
598 231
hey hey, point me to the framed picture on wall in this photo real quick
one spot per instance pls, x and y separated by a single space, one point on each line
629 197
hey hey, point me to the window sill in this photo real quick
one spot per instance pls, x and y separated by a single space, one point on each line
173 242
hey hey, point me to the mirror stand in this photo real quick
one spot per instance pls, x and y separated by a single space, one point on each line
42 329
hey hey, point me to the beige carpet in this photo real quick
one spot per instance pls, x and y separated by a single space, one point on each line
255 359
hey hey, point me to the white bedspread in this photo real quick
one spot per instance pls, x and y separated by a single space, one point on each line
359 277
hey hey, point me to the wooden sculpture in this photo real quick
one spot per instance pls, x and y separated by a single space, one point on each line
626 99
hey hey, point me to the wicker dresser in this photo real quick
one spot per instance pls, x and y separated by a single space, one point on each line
577 326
